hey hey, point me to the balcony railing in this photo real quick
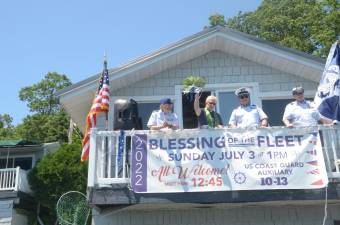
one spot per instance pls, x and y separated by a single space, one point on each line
14 179
109 164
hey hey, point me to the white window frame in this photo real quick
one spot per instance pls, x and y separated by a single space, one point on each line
139 99
215 90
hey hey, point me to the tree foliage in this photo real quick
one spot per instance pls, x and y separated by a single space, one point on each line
7 130
49 122
57 173
5 121
44 127
40 97
310 26
217 19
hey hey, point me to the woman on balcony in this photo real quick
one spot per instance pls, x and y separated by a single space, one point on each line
164 118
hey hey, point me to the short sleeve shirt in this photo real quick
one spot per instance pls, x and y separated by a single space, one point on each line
247 116
158 117
301 114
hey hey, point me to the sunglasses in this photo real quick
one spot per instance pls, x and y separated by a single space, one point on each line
243 96
300 93
212 103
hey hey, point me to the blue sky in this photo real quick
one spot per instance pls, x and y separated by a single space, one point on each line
70 37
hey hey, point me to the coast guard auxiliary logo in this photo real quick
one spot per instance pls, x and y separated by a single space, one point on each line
240 178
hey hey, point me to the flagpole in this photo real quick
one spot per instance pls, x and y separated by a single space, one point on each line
107 112
100 104
107 158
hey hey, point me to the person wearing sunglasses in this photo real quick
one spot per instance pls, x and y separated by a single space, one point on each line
301 112
207 117
247 115
164 118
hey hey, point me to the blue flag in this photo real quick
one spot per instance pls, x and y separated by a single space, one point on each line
327 97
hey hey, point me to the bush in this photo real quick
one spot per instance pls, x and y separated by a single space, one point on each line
57 173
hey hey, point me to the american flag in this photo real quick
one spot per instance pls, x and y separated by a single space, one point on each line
99 104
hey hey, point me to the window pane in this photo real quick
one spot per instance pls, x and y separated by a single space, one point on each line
4 163
275 108
145 110
24 163
227 102
189 115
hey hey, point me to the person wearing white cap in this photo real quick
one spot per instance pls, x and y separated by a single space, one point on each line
301 112
163 118
247 115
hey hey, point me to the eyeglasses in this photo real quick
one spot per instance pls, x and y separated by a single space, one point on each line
212 103
300 93
243 96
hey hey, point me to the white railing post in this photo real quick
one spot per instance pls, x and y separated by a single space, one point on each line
91 179
17 179
333 132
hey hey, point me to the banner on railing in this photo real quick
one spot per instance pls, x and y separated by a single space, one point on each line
222 160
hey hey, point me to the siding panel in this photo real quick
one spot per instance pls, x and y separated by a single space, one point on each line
255 215
217 66
6 209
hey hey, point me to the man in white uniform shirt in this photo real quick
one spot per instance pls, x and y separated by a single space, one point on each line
247 115
301 112
163 118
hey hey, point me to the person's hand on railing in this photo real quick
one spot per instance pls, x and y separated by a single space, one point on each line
290 125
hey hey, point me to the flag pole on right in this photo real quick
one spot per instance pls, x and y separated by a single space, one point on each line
326 99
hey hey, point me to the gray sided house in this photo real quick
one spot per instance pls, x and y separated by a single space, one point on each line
17 158
228 60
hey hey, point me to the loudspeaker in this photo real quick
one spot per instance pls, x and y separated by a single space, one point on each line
126 115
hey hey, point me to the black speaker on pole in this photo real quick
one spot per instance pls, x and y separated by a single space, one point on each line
126 115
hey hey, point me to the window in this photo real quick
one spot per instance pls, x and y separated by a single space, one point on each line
227 102
275 108
144 112
24 163
189 116
6 163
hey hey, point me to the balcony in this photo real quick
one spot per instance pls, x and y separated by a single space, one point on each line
14 180
110 183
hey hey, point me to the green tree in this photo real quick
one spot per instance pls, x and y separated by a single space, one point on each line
57 173
217 19
41 97
50 122
44 128
310 26
5 121
7 130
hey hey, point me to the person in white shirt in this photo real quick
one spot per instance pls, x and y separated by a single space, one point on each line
163 118
247 115
301 112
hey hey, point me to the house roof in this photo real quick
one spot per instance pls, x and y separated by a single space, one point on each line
17 143
77 98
